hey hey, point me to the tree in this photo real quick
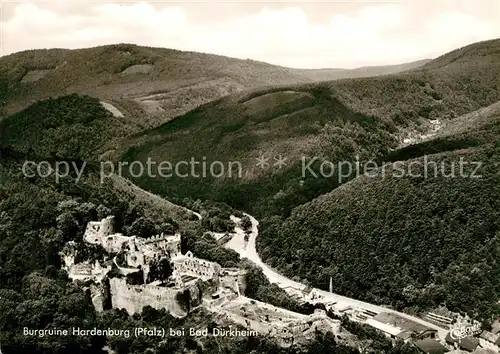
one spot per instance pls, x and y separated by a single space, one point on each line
246 223
160 270
183 298
165 228
103 211
142 227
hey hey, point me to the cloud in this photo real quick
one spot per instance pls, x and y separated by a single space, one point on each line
108 23
141 15
453 26
371 35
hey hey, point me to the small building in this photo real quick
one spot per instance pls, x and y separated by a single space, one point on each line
405 336
388 329
413 329
430 346
468 343
490 338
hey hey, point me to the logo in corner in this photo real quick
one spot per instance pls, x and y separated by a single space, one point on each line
464 331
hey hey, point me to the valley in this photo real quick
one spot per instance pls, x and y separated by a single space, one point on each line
406 258
248 250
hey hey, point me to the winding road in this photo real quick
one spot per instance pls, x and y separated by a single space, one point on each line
249 251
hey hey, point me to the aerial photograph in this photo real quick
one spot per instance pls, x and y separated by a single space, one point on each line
250 177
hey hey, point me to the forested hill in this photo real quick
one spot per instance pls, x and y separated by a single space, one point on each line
69 127
152 85
419 242
73 129
478 54
334 121
38 215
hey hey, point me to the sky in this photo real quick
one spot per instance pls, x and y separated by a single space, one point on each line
300 34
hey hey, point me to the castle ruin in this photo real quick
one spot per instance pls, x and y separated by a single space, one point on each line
194 282
191 275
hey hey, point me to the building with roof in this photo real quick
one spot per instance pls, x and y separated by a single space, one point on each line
389 330
489 338
408 328
429 346
468 343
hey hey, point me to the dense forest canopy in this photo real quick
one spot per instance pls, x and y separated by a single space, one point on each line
413 243
335 121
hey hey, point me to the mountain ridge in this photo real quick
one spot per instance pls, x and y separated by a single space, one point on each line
415 243
151 84
335 120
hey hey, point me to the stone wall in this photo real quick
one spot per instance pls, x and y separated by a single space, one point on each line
234 279
102 233
197 267
85 271
285 326
141 251
97 297
97 230
133 298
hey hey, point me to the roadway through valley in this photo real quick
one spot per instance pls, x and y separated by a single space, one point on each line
249 251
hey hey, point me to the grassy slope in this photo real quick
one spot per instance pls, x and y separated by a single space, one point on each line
332 120
409 241
100 71
174 83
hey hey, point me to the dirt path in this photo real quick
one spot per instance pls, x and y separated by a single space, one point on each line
112 109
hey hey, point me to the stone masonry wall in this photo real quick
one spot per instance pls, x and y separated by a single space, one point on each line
133 298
